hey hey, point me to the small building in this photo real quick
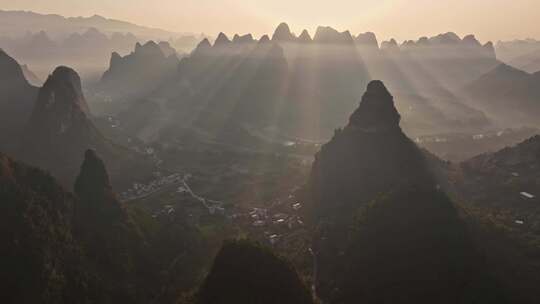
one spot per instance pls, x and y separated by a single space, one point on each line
297 206
274 238
520 222
281 216
478 136
515 174
259 223
527 195
259 212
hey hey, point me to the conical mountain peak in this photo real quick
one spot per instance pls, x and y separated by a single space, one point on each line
63 85
222 39
283 33
304 37
203 45
264 39
376 109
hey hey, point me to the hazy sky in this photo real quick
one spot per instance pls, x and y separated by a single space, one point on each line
402 19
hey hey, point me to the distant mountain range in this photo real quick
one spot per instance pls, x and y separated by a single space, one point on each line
301 87
510 95
521 54
140 72
45 41
529 62
304 87
17 23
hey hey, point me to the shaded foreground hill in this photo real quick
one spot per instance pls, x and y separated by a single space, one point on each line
41 260
88 247
492 186
245 272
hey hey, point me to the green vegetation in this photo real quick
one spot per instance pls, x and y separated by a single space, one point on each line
246 272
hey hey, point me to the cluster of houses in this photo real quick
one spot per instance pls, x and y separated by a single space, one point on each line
527 195
140 190
261 217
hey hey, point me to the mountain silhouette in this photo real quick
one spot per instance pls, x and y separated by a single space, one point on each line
36 218
244 272
139 73
60 130
384 232
283 33
508 94
17 98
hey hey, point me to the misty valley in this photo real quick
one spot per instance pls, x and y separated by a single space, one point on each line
140 165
